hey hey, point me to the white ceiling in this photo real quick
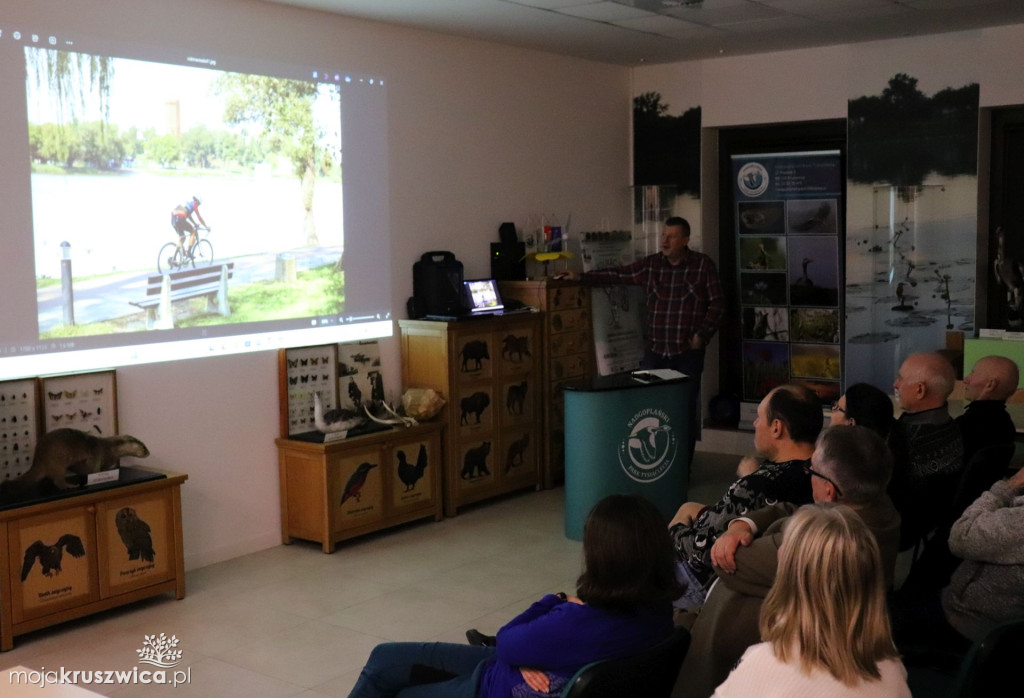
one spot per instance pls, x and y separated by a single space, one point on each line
633 32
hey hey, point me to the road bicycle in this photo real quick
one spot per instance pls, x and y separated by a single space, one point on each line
174 256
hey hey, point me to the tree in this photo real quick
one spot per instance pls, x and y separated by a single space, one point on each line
284 111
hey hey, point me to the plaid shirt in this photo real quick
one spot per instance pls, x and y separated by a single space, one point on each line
681 299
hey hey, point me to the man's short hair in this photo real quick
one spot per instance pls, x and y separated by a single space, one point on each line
799 408
858 460
681 222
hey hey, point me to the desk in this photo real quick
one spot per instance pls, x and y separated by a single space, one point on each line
624 436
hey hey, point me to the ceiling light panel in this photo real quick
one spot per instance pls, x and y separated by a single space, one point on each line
670 27
546 4
727 14
604 11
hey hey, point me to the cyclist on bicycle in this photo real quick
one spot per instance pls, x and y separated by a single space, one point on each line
182 222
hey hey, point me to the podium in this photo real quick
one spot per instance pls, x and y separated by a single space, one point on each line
625 436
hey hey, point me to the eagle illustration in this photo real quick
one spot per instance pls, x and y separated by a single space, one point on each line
354 486
51 555
134 534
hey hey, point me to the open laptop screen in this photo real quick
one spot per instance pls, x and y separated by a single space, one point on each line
482 296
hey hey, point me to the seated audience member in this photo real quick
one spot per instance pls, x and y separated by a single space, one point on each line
928 453
824 624
623 606
865 405
985 421
850 465
788 421
988 586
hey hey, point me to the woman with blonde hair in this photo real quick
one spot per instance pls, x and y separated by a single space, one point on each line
824 626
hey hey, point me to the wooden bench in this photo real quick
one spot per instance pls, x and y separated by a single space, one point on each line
163 289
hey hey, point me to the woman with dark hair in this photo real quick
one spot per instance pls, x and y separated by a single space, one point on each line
865 405
622 607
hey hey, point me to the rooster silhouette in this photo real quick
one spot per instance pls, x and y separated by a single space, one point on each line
354 486
51 555
410 473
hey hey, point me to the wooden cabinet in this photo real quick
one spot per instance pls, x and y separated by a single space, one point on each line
77 555
568 355
346 488
488 369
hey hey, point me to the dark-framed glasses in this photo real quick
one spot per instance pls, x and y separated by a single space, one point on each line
814 473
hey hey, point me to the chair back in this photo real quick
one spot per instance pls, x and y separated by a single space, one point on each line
992 666
988 464
649 674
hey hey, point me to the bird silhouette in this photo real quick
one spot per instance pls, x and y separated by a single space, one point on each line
410 473
134 533
354 486
50 556
805 280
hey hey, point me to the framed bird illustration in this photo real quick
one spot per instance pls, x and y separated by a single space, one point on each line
360 493
56 558
136 542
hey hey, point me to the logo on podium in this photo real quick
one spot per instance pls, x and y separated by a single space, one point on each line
650 449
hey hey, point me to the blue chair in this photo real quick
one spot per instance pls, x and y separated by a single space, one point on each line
650 674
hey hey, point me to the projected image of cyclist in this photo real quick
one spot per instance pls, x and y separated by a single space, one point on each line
182 221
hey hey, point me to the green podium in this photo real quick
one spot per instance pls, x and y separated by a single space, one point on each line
625 436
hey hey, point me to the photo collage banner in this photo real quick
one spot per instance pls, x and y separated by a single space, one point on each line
789 238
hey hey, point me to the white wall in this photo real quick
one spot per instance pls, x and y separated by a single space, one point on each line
479 134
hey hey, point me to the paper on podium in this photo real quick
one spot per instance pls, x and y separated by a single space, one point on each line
657 374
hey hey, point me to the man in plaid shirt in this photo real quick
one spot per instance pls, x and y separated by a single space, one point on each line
683 302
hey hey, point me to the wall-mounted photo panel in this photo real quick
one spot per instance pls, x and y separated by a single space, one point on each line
816 361
811 217
814 325
814 271
761 217
765 367
768 324
762 288
303 372
19 426
83 401
359 373
762 254
827 391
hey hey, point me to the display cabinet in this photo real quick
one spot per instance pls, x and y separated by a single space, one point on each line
488 369
77 554
349 487
568 355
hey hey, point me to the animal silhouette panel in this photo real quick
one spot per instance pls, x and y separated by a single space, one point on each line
413 482
477 464
358 490
517 349
52 557
476 409
519 454
519 400
136 544
475 357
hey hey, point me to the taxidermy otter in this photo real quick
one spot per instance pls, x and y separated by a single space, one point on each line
69 451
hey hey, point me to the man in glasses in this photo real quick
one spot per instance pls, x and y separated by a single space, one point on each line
927 449
850 465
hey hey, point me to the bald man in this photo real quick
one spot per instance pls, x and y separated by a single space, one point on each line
985 421
928 451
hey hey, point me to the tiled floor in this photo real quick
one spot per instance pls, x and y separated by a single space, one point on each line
291 621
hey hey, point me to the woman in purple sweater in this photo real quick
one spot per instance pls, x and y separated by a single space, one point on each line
622 607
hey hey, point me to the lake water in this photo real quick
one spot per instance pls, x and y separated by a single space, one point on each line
117 222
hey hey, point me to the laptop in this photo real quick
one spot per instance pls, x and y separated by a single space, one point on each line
482 297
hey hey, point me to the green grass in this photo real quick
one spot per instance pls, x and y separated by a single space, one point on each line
317 291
